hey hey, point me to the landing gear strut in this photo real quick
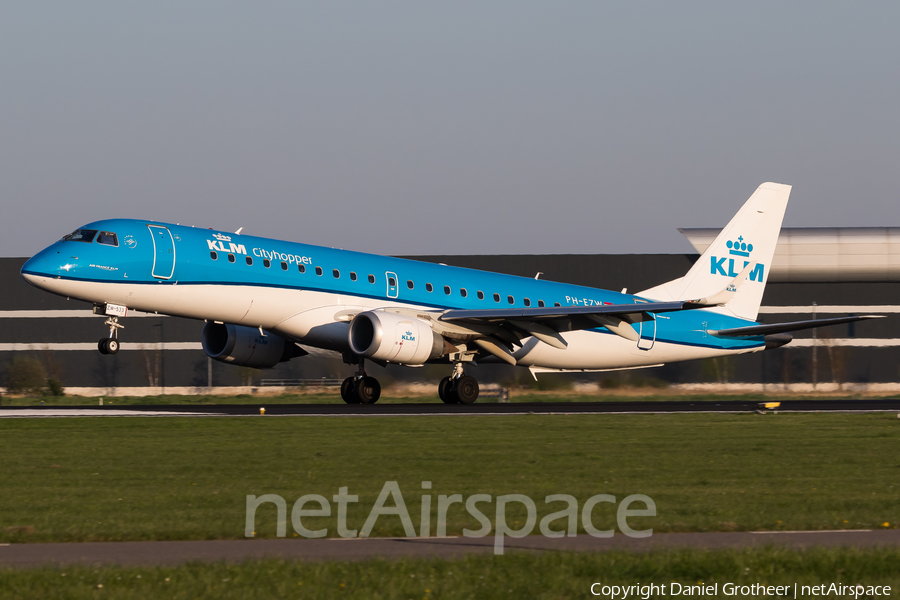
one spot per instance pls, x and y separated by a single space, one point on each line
110 345
360 389
458 388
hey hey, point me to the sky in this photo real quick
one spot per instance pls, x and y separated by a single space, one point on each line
446 128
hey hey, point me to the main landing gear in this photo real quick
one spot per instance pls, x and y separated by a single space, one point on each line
361 389
110 345
458 388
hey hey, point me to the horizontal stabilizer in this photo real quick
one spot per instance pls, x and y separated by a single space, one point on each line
754 330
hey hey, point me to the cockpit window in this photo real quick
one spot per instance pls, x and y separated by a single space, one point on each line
81 235
108 238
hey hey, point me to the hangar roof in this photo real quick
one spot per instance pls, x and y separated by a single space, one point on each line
826 253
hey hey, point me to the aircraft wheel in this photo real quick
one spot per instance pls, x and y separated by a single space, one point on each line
112 346
445 391
101 346
348 391
466 389
368 390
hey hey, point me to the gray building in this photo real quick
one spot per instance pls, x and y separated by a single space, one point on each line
811 277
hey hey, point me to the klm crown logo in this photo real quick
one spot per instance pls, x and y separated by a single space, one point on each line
741 248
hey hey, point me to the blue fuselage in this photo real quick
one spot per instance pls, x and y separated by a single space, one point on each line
191 272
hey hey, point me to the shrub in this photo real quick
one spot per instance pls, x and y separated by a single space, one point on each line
25 375
55 387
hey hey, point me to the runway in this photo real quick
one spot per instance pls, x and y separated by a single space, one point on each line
176 553
339 409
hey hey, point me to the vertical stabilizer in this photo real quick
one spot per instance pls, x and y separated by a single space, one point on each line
747 241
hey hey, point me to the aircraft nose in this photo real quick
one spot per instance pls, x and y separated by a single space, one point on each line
46 263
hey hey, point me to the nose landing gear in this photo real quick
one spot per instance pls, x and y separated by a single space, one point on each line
110 345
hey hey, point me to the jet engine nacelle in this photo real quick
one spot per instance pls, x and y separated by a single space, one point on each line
394 338
245 346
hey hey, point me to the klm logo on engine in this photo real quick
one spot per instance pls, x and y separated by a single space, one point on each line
408 337
219 244
726 265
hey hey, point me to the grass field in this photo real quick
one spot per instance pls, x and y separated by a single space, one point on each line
92 479
401 396
543 576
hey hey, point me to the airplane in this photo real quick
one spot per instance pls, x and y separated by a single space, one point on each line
264 300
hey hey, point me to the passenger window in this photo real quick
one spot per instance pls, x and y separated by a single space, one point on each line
496 297
447 289
318 270
81 235
108 238
556 304
284 266
463 292
371 279
266 263
336 273
231 258
541 303
301 268
213 255
249 261
429 287
392 282
510 299
352 276
409 283
527 302
480 295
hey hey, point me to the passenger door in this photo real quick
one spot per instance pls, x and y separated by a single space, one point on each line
163 252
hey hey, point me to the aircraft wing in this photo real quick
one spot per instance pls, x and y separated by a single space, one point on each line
556 312
788 327
510 325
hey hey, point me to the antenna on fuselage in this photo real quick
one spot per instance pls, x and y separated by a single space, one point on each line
539 273
238 232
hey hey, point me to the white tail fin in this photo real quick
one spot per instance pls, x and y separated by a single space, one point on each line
749 238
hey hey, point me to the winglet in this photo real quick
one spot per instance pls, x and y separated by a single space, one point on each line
724 297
